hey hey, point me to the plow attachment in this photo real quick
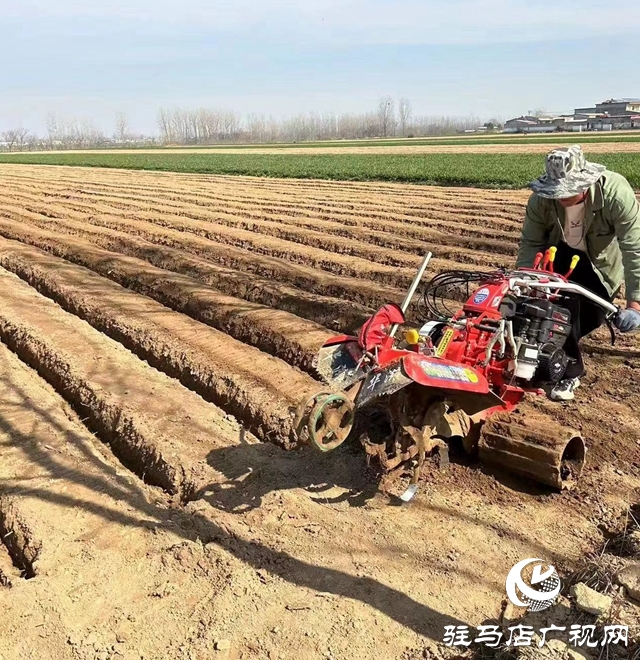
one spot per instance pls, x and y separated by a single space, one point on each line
528 443
532 445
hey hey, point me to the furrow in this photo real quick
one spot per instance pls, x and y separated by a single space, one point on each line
99 544
197 202
239 249
347 193
162 246
279 333
9 573
260 390
197 207
316 191
393 233
155 426
317 258
226 228
17 537
391 248
323 208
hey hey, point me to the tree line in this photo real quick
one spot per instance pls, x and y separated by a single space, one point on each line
203 126
64 132
389 119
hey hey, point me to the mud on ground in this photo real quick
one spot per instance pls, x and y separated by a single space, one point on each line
157 332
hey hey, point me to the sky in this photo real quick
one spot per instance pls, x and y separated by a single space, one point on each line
496 58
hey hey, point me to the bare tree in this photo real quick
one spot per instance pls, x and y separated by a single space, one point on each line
15 137
10 138
22 137
386 115
77 133
34 142
164 124
404 114
213 126
230 125
52 128
257 128
122 127
443 125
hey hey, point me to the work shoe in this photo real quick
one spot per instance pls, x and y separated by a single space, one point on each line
563 391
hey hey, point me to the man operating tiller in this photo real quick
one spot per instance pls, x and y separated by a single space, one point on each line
585 211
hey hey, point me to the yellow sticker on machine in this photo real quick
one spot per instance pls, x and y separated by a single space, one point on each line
444 342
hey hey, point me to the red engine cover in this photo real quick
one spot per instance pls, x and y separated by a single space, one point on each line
435 372
468 346
461 363
487 299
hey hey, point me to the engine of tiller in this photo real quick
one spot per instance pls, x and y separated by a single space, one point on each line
485 341
515 341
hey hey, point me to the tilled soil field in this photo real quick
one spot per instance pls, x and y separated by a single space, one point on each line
158 332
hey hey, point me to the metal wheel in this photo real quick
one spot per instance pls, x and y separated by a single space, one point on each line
330 421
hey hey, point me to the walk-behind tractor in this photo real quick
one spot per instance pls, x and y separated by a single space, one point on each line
486 340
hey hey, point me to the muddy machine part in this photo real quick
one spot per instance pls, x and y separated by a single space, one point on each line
534 446
330 421
328 418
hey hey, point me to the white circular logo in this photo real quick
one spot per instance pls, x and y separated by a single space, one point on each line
541 593
481 296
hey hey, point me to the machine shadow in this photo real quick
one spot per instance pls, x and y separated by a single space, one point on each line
254 470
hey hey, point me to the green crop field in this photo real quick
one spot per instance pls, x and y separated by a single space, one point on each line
481 139
483 170
554 138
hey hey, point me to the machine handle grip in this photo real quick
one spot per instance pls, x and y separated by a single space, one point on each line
537 260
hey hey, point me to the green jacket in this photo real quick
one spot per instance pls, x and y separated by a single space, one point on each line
612 232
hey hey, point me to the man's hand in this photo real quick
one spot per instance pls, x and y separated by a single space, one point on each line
628 320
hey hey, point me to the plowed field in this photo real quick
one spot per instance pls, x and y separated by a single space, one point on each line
158 332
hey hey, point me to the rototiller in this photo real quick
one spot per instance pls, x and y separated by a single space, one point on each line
460 374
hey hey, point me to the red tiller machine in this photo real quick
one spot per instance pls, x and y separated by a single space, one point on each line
485 341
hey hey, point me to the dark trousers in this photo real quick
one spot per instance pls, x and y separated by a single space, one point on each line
585 315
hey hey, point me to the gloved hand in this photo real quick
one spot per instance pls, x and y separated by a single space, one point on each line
627 320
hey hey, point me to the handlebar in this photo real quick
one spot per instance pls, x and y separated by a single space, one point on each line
546 280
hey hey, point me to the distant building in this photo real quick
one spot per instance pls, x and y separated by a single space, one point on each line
579 112
576 124
529 124
610 115
614 122
520 124
611 107
618 107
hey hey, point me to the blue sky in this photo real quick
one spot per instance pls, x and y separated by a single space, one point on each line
491 58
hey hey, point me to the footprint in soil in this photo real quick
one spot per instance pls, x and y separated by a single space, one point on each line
254 470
